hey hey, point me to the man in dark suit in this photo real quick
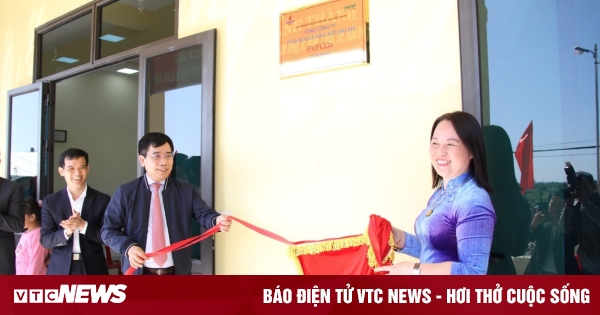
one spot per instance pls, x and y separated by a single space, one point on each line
155 211
551 254
583 219
11 222
71 220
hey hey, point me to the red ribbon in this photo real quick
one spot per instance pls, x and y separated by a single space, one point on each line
195 239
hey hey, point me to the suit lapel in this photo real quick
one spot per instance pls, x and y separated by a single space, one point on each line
146 195
87 203
65 204
168 203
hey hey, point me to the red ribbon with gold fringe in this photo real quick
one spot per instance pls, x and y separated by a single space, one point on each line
329 256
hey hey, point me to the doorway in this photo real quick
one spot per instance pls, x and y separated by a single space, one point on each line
98 113
177 98
105 112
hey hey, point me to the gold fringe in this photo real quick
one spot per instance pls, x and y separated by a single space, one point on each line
327 246
392 253
294 257
392 242
319 247
372 260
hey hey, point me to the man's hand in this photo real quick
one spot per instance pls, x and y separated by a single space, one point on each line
582 195
137 257
224 222
539 218
571 200
75 222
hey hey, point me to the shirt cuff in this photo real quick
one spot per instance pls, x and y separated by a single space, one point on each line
82 231
67 237
412 247
127 250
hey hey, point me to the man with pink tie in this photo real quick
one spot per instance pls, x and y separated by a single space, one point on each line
154 211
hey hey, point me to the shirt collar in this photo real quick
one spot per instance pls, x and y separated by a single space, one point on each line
83 194
151 181
458 180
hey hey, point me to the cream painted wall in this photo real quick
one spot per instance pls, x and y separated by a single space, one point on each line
312 157
308 157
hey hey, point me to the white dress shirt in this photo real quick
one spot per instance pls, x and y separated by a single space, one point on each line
77 205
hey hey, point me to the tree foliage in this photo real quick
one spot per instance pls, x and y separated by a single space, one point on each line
541 192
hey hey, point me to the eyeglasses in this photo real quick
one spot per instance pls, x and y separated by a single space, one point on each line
157 156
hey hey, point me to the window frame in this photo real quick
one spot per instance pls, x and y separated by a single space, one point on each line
94 62
469 58
43 110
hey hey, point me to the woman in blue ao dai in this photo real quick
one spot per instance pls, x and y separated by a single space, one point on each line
453 234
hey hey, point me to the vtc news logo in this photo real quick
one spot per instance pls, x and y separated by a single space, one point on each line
73 293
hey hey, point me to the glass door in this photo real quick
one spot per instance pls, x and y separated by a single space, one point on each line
177 98
27 113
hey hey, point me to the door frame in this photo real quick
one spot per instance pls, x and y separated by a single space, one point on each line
45 138
207 40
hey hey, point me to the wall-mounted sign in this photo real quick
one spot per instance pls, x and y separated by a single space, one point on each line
330 34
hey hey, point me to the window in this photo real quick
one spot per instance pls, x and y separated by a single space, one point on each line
102 32
520 68
66 46
530 74
127 24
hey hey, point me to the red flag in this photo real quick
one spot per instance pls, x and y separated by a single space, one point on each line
524 156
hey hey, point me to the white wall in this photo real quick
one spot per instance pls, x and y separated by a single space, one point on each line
312 157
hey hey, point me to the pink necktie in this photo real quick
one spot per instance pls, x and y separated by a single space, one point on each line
158 228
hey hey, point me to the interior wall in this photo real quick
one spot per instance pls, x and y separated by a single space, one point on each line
99 112
311 157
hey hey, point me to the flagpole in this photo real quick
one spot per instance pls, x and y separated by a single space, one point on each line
595 54
579 51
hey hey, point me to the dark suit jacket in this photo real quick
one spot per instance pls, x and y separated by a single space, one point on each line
543 236
11 221
127 215
56 208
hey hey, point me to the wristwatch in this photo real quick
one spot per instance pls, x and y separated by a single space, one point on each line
417 269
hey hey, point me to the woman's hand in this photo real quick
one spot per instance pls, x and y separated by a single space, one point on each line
401 268
399 237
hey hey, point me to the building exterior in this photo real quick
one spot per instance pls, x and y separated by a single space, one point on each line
312 156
